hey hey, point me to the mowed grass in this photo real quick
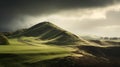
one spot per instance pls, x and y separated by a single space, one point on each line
31 51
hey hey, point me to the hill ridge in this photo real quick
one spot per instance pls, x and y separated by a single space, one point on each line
47 31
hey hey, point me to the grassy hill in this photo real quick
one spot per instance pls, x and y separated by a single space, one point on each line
47 45
31 45
51 32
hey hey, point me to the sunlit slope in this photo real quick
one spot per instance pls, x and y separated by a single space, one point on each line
23 51
31 49
26 50
20 56
49 31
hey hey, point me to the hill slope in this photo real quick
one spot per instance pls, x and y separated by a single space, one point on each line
49 31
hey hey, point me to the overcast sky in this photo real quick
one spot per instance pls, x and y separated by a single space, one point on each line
94 17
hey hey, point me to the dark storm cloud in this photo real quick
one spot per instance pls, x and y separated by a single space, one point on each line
12 9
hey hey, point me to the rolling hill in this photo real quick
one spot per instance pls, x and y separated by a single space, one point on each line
47 45
52 33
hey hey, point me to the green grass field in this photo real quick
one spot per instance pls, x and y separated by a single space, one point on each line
29 50
25 51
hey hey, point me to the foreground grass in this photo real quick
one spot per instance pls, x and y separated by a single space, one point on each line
33 54
14 42
31 51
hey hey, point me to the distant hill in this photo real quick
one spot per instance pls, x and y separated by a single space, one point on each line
108 52
49 31
89 37
100 41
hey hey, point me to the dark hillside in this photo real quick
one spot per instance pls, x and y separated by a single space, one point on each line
3 40
49 31
108 52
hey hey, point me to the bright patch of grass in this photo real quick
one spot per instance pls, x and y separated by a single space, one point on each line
15 41
33 54
30 50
